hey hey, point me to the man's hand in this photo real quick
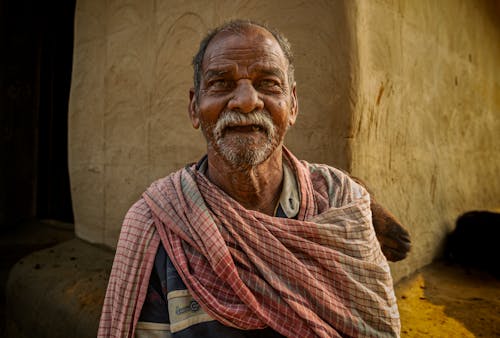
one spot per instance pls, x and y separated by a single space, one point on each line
394 239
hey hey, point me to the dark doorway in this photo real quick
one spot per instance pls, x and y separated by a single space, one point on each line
36 44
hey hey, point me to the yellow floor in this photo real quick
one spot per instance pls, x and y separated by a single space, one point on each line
445 300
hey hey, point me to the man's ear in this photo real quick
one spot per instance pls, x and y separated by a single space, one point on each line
294 105
193 109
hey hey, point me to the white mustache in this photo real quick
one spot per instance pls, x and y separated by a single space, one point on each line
230 118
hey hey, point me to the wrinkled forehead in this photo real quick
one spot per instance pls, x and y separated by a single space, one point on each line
251 42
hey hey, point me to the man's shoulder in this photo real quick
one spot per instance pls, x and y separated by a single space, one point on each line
138 214
334 183
326 170
161 184
330 175
141 209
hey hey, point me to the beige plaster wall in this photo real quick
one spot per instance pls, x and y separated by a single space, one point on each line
426 126
405 94
128 121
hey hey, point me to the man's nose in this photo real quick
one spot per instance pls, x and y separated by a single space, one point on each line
245 98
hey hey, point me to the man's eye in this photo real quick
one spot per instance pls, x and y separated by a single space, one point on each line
269 85
220 84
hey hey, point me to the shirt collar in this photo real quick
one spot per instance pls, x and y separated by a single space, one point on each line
289 199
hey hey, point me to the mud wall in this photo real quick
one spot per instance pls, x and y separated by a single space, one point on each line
426 126
405 94
131 76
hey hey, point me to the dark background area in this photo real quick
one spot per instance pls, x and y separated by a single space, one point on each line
36 44
36 51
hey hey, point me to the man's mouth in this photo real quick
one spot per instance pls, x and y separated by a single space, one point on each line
245 129
251 124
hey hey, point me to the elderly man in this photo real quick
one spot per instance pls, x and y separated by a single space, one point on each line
250 241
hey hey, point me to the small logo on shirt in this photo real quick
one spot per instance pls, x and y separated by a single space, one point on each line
184 311
193 307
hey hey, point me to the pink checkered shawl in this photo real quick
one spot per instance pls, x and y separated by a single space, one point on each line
322 275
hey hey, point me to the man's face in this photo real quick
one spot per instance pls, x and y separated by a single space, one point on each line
245 104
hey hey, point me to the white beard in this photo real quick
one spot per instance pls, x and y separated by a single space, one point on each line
243 152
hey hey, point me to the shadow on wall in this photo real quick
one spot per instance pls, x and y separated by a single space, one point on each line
474 242
491 10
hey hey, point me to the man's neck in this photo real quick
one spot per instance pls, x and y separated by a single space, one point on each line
256 188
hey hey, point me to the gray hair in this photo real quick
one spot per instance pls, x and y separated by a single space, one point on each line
238 26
